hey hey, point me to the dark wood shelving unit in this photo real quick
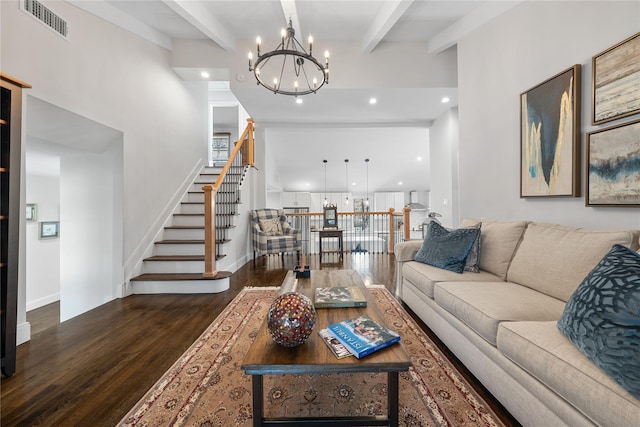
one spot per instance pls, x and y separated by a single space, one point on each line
10 212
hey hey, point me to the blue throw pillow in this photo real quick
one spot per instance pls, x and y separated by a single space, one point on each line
602 317
447 249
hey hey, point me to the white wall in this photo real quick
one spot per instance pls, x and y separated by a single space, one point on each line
496 63
444 167
42 255
90 241
117 79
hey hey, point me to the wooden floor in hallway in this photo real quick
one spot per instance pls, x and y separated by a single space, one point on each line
90 370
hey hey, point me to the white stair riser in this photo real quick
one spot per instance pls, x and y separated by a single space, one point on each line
173 266
179 249
189 221
210 179
195 197
192 209
180 287
213 169
184 234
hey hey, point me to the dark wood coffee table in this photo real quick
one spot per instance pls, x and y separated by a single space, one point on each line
265 357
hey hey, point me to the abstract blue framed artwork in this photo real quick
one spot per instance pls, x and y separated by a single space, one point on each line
613 166
616 81
550 137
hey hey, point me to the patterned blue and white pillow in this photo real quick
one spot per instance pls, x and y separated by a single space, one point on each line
602 317
447 249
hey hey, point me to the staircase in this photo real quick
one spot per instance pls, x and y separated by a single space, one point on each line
178 260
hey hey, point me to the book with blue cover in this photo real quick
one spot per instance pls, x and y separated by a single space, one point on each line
362 335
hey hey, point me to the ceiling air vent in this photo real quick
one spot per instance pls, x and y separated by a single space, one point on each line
46 16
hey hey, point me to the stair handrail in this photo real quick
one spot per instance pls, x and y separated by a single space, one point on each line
210 192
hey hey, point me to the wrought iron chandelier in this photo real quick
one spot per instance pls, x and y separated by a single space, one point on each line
290 69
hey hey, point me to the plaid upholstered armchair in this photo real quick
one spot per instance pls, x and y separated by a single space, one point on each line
272 234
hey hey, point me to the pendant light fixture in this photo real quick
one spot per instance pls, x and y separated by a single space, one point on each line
346 166
366 202
326 202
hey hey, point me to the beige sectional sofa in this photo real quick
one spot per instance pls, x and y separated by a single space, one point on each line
501 321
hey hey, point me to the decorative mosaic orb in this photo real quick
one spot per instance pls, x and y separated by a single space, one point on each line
291 319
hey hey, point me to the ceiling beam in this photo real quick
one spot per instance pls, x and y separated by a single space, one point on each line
290 12
199 16
468 23
123 20
389 14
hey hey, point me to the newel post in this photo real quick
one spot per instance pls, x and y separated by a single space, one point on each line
407 223
209 231
392 237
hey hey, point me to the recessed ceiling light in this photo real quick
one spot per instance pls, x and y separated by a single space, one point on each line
445 100
204 75
400 183
419 159
353 183
298 100
373 101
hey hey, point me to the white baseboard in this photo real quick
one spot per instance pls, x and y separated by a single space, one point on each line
23 333
41 302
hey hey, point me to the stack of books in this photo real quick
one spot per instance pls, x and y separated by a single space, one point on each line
340 296
359 336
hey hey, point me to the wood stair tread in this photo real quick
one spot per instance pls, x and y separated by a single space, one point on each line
188 242
180 242
180 257
201 214
194 227
175 258
179 276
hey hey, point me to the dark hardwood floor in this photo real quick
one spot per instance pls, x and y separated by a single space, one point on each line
90 370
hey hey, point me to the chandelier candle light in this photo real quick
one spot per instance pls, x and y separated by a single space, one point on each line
294 71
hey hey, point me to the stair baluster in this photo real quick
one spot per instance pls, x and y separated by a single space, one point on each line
223 196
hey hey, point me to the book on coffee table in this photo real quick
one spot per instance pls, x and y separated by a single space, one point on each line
362 335
338 349
340 296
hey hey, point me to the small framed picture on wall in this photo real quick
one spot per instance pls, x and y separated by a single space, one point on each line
49 229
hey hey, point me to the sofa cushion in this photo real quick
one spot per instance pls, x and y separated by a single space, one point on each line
498 242
554 259
540 349
447 249
482 306
602 318
473 257
424 276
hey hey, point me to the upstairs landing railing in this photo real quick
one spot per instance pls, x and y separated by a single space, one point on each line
224 194
374 232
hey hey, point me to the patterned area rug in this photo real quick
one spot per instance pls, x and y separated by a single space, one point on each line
206 386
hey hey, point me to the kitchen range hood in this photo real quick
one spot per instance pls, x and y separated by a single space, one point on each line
415 205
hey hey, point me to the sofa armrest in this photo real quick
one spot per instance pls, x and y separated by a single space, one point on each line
406 251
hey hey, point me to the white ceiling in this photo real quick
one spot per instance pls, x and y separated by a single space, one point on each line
229 23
